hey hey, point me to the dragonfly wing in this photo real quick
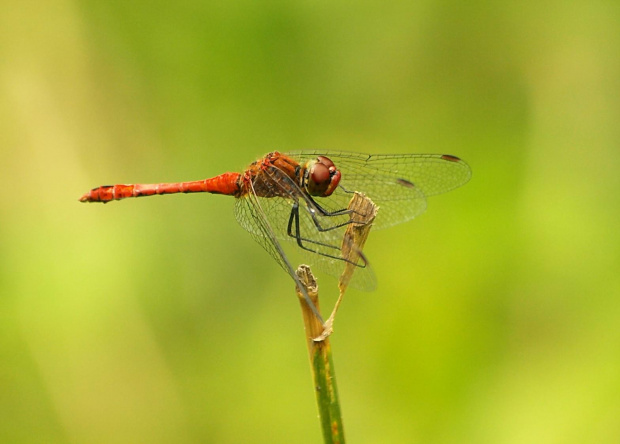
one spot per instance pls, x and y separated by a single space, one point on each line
431 173
394 208
251 217
397 183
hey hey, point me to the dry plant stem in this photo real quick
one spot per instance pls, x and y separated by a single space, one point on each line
364 212
321 362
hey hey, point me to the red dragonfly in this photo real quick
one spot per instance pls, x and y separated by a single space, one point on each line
302 197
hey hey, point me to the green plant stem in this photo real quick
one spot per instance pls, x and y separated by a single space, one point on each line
321 363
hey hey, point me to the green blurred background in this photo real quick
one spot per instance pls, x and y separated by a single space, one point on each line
497 317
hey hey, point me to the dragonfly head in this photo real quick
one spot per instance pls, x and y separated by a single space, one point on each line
321 177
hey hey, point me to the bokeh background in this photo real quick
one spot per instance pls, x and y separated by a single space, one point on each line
497 317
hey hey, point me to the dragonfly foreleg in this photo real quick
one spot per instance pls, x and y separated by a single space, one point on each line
314 207
294 221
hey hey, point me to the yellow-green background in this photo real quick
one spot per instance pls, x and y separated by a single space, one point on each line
497 317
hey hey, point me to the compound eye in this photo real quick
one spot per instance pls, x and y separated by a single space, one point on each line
323 177
319 174
318 179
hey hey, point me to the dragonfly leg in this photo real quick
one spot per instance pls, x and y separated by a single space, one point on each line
294 221
312 205
324 212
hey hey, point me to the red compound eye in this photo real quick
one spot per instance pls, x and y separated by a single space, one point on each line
323 177
319 174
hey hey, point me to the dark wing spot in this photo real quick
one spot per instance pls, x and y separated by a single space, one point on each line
405 183
450 158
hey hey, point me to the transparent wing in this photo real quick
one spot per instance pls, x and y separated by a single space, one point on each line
397 183
250 215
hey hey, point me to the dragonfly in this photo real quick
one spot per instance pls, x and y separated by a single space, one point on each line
301 198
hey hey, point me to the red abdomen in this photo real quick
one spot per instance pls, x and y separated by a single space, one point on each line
227 183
